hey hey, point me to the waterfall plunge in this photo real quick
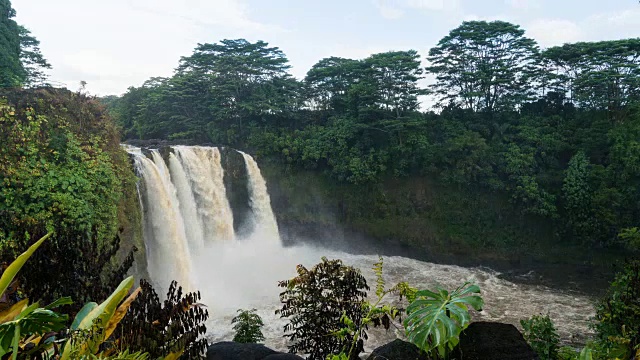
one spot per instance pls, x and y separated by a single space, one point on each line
165 238
186 212
265 222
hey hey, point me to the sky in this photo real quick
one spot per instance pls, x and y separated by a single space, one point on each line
115 44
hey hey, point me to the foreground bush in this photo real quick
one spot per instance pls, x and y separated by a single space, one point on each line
247 325
541 334
162 328
618 314
315 302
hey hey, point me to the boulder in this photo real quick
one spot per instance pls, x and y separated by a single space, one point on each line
493 341
283 357
229 350
397 350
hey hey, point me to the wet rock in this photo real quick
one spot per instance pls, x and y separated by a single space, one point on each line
229 350
493 341
398 350
235 183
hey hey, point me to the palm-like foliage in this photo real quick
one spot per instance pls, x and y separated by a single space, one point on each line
436 319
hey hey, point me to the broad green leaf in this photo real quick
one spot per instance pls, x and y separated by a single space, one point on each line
10 273
100 315
436 319
586 354
86 309
60 302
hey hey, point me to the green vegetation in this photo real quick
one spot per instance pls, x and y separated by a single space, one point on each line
518 138
374 313
63 170
30 331
435 319
541 334
315 303
21 62
247 325
618 315
161 328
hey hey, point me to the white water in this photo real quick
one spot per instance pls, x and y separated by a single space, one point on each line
244 274
264 220
188 210
248 274
204 169
165 238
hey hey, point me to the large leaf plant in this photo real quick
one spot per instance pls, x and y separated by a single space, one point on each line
435 319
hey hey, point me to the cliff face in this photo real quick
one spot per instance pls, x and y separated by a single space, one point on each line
425 219
419 213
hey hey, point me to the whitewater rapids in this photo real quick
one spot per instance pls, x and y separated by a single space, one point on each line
245 275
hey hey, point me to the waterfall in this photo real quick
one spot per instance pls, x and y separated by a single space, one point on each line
204 168
193 223
260 202
164 231
185 209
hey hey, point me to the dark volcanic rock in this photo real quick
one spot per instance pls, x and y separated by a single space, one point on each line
493 341
235 183
283 357
229 350
398 350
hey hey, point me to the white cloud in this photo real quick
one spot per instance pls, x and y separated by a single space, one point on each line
433 4
388 11
612 25
524 4
395 9
227 13
552 32
474 17
118 43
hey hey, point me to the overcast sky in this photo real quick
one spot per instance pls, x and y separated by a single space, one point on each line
114 44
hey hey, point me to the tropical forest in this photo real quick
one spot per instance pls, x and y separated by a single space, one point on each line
476 197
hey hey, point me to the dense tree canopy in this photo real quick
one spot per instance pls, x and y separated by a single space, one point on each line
555 130
11 71
21 62
484 66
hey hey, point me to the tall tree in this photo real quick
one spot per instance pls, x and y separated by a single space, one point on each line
396 74
244 78
33 63
328 82
11 71
484 66
601 75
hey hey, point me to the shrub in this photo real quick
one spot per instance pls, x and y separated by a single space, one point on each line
164 328
618 314
435 319
541 334
376 313
567 353
315 302
247 326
